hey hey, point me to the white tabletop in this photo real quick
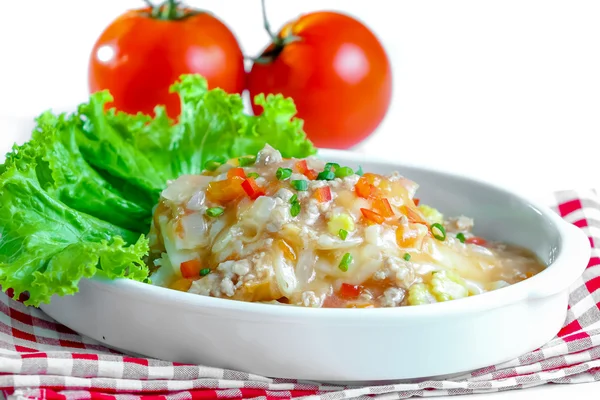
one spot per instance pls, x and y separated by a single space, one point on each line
508 91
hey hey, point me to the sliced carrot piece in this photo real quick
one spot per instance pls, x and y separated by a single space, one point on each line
225 190
364 189
190 268
372 216
383 207
412 215
236 172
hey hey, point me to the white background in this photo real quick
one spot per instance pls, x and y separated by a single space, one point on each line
505 90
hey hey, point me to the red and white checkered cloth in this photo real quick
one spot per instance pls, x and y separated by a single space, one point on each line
40 358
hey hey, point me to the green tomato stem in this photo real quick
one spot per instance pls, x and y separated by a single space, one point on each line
278 42
266 23
170 10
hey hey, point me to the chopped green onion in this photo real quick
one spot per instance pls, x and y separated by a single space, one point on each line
343 172
460 236
253 175
406 256
330 165
343 234
294 199
346 261
442 232
246 161
283 173
295 209
300 185
326 175
212 165
215 211
359 172
204 271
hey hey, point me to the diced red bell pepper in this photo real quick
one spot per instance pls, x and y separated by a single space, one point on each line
311 174
302 168
417 201
236 172
476 240
372 216
383 207
350 291
252 189
323 194
190 268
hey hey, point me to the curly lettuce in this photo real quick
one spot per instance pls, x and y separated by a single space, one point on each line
76 200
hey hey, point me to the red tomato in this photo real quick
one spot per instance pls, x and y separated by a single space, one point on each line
139 56
336 71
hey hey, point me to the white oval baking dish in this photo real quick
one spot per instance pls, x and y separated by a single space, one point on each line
354 345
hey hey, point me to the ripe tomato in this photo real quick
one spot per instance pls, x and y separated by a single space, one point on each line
336 71
144 51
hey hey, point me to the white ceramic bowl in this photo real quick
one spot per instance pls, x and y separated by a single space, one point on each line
355 345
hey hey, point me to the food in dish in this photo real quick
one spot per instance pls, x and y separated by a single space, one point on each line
309 233
76 199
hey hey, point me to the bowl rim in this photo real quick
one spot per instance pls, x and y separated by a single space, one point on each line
571 259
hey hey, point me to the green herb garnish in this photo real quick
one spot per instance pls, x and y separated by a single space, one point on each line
461 237
300 185
295 209
326 175
212 165
204 271
343 172
283 173
215 211
359 172
406 256
346 261
441 231
253 175
246 161
330 165
343 234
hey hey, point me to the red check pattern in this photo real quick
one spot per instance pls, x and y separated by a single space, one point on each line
42 359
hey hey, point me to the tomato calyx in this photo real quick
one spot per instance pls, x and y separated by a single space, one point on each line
170 10
279 42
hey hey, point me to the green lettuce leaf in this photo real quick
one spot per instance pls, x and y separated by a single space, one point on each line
47 247
147 152
77 199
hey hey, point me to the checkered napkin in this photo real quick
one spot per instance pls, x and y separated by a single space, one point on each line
40 358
